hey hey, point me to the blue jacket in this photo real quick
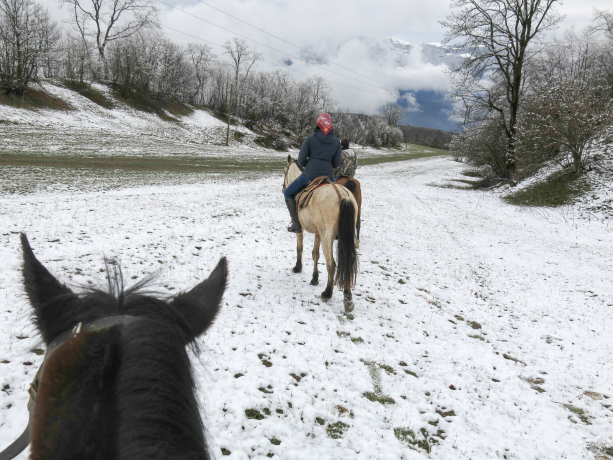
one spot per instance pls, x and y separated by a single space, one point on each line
320 154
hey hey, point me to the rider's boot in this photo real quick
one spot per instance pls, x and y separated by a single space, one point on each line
295 226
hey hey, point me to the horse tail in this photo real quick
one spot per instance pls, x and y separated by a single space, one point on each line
351 186
346 255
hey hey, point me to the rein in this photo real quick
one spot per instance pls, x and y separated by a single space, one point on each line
22 441
301 168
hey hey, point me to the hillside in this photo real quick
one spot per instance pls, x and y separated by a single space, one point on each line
62 116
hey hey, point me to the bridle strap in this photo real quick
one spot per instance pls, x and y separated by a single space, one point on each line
301 168
19 445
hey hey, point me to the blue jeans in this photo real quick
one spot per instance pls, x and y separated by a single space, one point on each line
300 183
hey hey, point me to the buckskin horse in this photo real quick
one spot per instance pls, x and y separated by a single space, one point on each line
331 212
116 382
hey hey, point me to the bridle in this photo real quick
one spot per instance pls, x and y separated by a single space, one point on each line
22 441
287 166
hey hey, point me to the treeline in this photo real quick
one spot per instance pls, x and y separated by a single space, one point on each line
136 58
370 130
526 101
428 137
145 61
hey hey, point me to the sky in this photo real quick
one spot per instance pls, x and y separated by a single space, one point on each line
333 28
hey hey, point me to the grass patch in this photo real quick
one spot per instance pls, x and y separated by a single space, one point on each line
474 324
472 173
408 436
275 442
357 339
580 413
382 399
477 336
449 413
389 369
420 152
320 420
254 414
342 334
33 99
225 451
161 105
336 430
510 358
298 378
459 318
561 188
406 371
86 90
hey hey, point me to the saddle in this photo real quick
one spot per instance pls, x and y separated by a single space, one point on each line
304 197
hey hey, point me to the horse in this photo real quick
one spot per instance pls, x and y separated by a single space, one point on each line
116 382
331 212
353 185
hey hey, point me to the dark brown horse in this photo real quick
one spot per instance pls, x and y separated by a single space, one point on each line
116 382
353 185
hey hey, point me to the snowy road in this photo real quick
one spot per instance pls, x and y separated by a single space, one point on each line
484 323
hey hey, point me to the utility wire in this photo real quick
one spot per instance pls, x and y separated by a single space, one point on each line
270 47
295 46
272 63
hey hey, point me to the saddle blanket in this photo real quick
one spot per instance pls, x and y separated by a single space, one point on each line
304 196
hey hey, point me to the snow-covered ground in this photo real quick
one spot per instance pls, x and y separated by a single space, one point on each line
486 324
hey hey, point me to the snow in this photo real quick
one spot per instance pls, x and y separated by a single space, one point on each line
89 118
539 286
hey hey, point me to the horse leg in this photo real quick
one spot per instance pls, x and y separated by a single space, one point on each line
299 240
315 279
327 243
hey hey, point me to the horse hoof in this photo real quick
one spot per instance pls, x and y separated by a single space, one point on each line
349 306
297 268
314 282
347 295
327 294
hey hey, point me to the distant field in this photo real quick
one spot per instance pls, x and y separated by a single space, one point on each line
44 160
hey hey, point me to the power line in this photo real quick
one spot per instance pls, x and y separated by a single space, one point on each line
295 46
272 63
262 44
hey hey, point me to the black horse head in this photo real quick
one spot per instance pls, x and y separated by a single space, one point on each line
123 391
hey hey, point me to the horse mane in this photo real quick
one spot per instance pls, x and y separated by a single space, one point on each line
140 300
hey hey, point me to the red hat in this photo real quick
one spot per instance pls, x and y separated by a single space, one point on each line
325 123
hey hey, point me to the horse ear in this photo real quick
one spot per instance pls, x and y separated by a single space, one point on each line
289 159
200 305
47 295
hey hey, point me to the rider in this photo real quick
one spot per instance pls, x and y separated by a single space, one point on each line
349 163
320 154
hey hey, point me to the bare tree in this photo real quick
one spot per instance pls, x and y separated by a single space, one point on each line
201 57
392 113
104 21
499 36
243 59
604 21
27 35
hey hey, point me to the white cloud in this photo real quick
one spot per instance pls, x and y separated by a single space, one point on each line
334 28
